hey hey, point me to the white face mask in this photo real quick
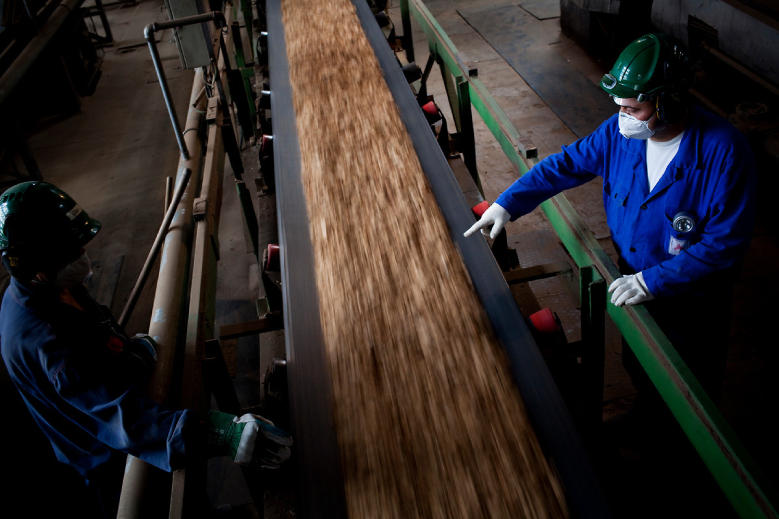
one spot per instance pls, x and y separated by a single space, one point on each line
633 128
75 273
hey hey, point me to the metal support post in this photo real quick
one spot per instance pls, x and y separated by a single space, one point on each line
242 82
99 9
234 155
248 22
425 74
592 349
466 142
449 79
217 378
408 39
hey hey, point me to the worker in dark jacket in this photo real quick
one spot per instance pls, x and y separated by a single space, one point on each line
678 189
78 372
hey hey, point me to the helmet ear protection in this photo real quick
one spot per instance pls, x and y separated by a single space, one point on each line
651 68
670 101
42 229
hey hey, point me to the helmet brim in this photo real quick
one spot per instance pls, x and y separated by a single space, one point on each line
612 86
89 231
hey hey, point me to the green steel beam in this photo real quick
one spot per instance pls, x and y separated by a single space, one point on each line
449 78
439 41
466 139
699 418
247 72
248 21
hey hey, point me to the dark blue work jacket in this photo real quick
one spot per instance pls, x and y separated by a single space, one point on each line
711 178
80 386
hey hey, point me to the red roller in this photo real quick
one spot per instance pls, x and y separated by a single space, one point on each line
272 261
430 108
545 321
479 208
266 143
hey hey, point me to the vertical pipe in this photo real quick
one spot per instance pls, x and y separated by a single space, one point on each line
148 33
169 301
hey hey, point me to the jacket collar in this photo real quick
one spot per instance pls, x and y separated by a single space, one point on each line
685 160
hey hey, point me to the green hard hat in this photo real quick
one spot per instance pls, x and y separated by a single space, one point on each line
42 227
638 71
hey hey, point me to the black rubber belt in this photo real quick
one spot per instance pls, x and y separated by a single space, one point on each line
316 449
320 483
548 413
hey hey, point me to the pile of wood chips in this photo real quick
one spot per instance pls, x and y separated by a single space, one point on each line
428 420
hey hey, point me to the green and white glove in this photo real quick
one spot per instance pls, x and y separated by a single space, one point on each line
249 439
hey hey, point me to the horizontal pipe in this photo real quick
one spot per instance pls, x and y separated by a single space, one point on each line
216 16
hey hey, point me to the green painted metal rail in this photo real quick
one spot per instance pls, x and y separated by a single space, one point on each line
707 430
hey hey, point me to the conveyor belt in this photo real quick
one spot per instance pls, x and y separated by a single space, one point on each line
310 394
320 482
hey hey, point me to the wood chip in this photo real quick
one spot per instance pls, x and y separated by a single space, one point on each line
428 420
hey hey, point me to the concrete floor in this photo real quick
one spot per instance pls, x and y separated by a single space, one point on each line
113 157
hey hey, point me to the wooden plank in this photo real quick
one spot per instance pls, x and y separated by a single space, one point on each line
266 324
526 274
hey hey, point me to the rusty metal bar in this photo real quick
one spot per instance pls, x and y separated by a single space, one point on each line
265 324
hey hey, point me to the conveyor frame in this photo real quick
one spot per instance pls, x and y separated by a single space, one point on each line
310 390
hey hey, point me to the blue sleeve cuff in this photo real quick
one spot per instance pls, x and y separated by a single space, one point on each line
653 281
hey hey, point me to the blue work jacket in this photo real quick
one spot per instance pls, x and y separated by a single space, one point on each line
81 387
711 179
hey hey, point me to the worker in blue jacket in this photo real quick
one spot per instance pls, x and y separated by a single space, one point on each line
80 375
678 189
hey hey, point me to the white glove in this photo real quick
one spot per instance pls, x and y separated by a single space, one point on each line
496 216
629 290
262 442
